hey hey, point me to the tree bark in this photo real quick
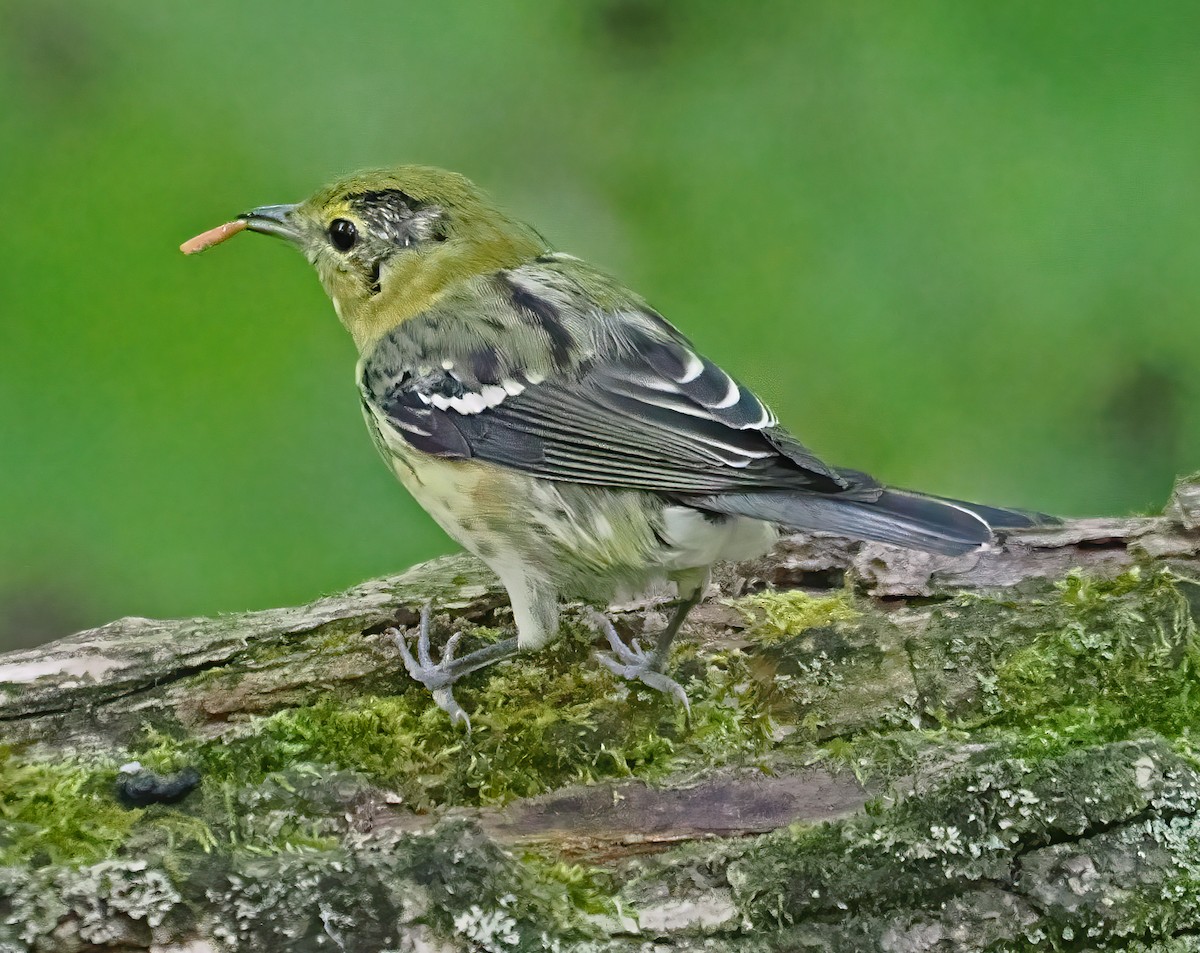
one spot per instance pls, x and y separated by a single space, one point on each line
887 751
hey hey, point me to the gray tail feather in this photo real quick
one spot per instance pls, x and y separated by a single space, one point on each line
898 517
1000 517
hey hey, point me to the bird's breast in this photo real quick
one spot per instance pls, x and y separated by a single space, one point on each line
583 541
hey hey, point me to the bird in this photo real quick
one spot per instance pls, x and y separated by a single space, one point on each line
558 427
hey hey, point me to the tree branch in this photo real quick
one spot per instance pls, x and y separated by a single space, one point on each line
1019 721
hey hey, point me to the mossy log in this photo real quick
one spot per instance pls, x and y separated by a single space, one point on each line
887 751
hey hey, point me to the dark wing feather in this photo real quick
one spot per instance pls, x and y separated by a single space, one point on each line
555 370
646 413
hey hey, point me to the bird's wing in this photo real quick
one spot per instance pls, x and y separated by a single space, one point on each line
569 391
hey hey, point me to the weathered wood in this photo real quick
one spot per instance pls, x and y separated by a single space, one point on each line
1018 722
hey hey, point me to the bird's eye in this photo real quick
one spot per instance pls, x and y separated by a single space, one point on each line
343 234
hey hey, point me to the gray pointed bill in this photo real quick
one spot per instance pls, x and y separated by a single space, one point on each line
272 220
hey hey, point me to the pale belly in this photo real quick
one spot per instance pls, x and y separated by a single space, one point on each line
583 542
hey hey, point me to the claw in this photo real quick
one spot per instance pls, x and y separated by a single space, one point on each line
438 676
445 700
630 662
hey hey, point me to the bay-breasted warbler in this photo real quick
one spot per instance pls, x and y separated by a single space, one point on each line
557 426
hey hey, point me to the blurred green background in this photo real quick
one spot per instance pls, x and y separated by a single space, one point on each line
955 244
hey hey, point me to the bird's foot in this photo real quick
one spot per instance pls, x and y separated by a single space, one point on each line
631 662
439 677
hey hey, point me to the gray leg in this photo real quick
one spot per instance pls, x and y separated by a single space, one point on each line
662 647
631 661
439 677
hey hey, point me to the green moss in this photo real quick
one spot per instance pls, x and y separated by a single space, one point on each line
537 724
570 889
883 758
287 781
59 812
1122 657
774 615
971 828
1022 710
1180 944
1084 661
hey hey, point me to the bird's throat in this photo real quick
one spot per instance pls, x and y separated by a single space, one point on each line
410 285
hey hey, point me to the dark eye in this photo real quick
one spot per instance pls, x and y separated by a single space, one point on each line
343 234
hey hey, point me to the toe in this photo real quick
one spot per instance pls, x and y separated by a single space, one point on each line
668 686
627 654
410 663
618 667
604 625
445 700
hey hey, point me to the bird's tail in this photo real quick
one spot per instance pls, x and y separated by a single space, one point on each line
898 517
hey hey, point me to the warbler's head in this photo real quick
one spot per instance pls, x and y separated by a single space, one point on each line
386 243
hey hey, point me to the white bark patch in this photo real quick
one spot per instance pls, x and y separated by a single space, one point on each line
81 665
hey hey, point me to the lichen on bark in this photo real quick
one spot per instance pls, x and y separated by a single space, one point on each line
887 751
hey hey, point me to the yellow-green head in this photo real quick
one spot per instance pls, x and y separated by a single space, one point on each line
387 243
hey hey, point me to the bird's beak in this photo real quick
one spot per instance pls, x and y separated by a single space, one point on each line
273 220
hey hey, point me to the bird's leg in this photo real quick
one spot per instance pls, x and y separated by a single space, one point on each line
439 677
633 663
